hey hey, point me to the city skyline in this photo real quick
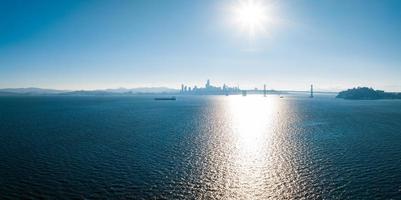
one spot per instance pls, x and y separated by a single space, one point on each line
74 45
209 89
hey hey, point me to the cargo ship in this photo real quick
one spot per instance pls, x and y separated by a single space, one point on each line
165 98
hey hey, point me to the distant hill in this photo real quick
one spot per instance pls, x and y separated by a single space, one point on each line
365 93
31 90
118 91
88 92
143 90
9 94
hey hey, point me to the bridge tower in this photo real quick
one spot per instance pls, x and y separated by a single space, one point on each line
264 90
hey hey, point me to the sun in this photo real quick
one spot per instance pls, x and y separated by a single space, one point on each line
253 17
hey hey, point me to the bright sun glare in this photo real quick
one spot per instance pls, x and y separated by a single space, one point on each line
252 16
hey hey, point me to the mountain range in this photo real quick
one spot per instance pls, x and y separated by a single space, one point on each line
117 91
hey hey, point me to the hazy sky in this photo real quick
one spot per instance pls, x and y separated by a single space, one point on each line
107 44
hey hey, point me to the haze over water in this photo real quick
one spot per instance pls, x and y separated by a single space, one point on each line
209 147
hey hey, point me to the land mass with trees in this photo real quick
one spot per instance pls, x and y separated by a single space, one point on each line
365 93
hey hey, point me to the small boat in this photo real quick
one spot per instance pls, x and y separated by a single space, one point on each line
165 98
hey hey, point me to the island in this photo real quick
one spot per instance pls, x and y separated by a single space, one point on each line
365 93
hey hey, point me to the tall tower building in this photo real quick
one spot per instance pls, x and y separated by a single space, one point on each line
207 83
311 91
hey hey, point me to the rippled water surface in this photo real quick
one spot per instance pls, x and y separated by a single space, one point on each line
212 147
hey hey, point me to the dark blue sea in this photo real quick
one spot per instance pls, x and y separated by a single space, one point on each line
199 147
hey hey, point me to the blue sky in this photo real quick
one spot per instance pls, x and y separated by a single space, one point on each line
134 43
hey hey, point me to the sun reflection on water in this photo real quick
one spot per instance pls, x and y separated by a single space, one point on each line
247 155
252 120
